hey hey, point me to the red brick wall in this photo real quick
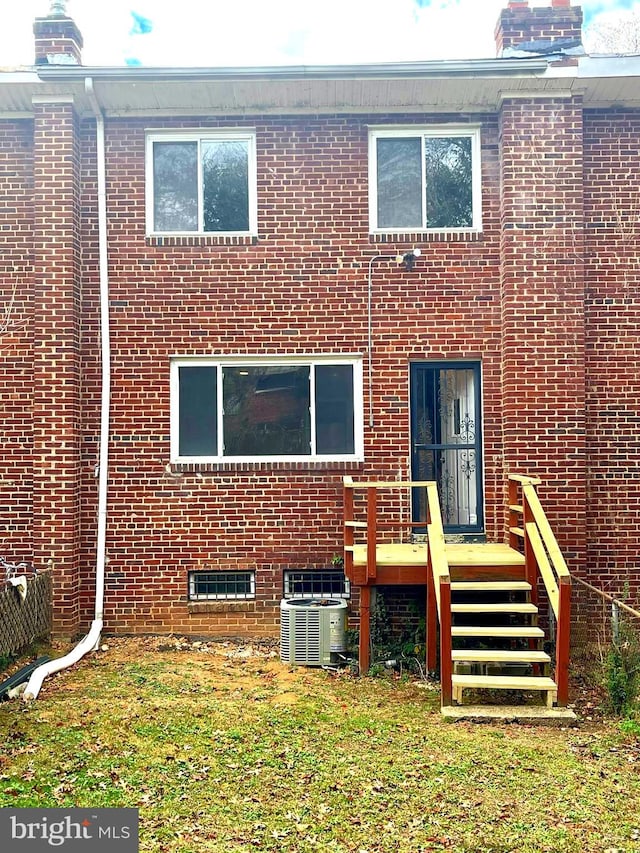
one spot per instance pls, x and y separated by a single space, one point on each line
300 288
16 331
56 373
512 298
612 218
543 308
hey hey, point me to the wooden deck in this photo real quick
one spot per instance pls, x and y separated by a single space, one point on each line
406 563
462 579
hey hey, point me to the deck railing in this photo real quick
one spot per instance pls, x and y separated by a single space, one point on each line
373 524
530 530
369 530
438 595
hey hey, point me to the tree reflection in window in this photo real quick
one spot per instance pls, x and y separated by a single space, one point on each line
266 411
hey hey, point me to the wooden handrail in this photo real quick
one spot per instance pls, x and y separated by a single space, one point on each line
439 586
435 541
524 480
551 544
385 484
544 565
543 558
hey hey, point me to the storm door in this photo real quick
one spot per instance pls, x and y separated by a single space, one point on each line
446 441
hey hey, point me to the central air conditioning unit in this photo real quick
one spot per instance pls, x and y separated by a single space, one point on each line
312 630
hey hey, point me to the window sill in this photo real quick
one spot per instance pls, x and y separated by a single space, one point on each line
470 236
201 239
266 465
221 606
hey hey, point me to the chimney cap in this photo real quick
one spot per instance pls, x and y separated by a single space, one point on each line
58 9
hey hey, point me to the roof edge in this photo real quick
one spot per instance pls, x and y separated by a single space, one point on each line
405 70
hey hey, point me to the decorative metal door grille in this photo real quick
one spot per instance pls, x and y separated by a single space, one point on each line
446 441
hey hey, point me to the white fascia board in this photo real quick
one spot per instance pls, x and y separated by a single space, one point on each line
608 66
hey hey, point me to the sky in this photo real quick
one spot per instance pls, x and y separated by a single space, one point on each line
273 32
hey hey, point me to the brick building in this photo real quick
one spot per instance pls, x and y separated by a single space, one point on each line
249 235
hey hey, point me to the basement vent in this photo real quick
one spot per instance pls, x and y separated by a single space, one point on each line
217 586
311 583
312 630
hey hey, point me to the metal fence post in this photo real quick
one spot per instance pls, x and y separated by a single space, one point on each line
615 622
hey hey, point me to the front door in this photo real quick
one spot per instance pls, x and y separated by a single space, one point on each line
446 441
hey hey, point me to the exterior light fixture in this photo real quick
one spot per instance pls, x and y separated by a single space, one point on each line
409 258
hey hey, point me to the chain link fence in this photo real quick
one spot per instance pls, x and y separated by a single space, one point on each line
599 620
24 620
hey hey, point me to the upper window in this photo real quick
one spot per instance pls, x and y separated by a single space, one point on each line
425 179
201 183
278 409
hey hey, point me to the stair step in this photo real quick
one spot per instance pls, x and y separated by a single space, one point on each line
510 632
494 608
499 656
504 682
490 586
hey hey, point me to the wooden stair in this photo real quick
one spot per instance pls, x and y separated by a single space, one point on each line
500 656
509 632
496 642
505 682
482 627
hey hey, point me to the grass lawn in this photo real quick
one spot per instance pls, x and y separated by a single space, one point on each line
223 748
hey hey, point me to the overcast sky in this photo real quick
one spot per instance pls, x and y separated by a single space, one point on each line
272 32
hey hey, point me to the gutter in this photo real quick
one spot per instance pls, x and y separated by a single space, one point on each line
90 641
374 71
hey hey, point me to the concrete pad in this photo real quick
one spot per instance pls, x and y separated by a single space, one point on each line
511 713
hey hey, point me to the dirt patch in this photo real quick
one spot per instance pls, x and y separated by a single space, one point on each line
225 664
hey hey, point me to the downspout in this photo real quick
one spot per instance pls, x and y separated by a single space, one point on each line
90 641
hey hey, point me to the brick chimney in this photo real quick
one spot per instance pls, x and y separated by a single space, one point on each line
58 39
541 31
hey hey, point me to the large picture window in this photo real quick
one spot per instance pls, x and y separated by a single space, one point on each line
424 179
255 410
202 183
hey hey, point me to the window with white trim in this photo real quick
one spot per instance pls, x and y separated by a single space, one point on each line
222 586
425 179
279 409
316 583
202 183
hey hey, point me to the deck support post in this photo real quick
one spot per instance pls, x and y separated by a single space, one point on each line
446 667
364 658
563 640
531 573
372 534
349 533
513 501
432 619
